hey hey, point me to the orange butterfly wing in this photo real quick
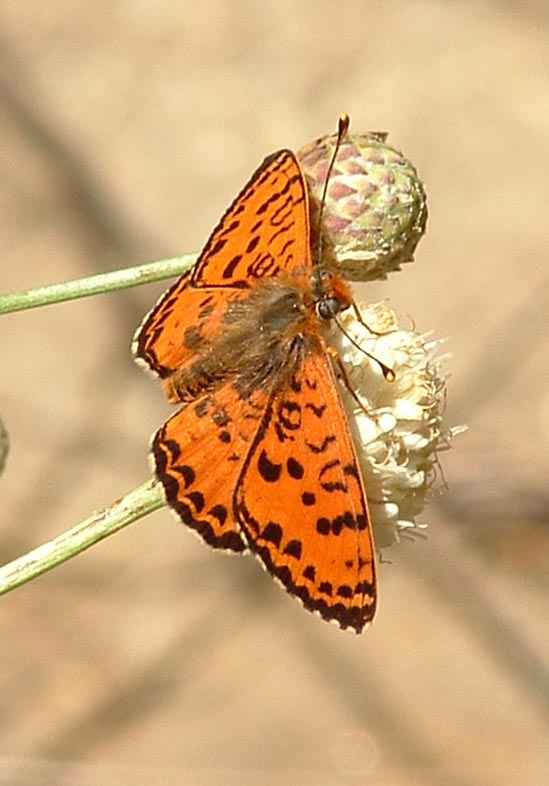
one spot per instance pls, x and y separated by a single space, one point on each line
264 231
198 455
271 467
300 500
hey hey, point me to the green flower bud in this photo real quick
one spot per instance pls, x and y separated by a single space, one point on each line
375 207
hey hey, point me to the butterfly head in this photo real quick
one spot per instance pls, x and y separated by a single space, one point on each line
328 308
332 295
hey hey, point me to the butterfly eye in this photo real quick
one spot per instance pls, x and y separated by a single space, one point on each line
328 308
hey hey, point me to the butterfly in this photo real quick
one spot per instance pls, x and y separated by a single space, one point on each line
259 456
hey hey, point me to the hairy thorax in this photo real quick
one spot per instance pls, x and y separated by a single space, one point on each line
262 336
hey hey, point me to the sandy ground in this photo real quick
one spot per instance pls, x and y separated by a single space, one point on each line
125 130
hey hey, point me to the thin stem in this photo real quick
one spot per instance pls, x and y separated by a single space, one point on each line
94 285
137 503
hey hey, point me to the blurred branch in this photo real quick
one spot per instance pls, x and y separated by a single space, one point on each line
93 285
137 503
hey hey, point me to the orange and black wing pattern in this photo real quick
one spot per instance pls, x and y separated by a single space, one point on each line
264 231
300 500
198 455
259 456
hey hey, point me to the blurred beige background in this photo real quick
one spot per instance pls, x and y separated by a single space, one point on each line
125 130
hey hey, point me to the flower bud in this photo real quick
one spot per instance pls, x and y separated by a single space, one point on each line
375 207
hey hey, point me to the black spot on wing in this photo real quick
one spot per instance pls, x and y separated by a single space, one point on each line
295 469
184 471
230 267
269 471
323 526
293 548
196 498
364 588
316 410
272 532
344 591
289 415
325 587
252 245
326 526
320 447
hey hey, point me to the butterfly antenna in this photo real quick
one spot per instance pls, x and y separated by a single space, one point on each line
387 371
343 124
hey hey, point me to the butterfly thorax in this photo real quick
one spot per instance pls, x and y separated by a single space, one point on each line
263 336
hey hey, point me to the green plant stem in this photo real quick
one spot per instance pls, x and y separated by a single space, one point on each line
137 503
94 285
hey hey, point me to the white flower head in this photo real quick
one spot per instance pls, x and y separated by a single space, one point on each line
397 428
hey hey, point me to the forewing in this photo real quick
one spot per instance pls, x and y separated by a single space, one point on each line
264 231
198 456
182 319
300 500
